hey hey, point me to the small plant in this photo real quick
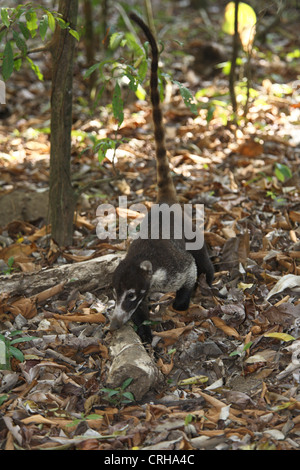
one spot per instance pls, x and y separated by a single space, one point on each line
240 351
10 263
7 349
3 398
118 396
282 172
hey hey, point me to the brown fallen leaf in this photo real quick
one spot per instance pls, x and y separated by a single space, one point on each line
165 367
294 216
40 233
81 221
23 306
91 318
171 336
218 404
48 293
219 323
18 251
28 267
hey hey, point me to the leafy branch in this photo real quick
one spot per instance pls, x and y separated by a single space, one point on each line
21 24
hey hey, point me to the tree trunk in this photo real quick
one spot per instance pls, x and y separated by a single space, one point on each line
62 198
89 39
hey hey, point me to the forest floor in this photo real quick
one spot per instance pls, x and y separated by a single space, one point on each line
230 364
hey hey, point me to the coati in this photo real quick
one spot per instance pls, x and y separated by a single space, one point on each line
156 265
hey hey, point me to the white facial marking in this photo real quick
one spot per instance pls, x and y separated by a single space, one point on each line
120 315
131 294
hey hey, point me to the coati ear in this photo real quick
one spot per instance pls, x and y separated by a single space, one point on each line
146 266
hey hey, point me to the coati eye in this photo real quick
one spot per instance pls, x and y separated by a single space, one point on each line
131 296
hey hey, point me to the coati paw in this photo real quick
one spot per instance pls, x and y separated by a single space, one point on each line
145 333
182 299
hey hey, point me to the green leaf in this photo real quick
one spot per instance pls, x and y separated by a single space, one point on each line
128 395
111 392
187 97
94 416
10 261
43 26
140 92
117 104
23 339
31 22
90 70
3 398
21 45
74 34
16 353
15 332
126 383
115 40
248 345
133 83
35 69
8 61
5 17
24 30
51 21
62 23
133 45
282 172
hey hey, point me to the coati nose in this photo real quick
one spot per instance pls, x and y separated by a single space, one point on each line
115 324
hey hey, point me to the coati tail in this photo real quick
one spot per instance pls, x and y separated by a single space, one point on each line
166 188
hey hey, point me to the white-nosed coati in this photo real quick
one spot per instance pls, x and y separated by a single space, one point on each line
156 265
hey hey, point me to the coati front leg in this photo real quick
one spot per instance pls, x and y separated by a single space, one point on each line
184 293
140 316
182 299
203 263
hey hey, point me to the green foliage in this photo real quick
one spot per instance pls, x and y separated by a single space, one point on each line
118 104
3 398
118 396
131 75
282 172
18 26
189 418
101 146
241 350
8 350
10 263
187 97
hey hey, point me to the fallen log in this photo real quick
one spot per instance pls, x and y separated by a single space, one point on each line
86 276
131 360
